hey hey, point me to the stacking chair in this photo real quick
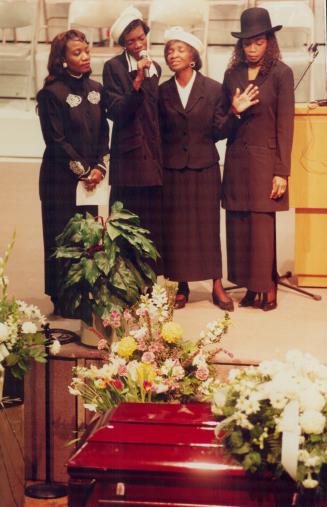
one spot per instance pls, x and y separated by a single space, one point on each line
94 14
192 15
18 59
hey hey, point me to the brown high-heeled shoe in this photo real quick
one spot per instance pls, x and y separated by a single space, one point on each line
182 295
269 300
227 306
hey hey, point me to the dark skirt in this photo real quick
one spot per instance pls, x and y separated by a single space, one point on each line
191 224
251 249
55 216
146 202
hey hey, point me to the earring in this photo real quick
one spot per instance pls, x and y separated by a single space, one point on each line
65 65
192 65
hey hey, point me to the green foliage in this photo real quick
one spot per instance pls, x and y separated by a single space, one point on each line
104 264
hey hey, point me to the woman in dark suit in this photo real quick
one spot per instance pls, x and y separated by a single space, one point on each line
257 163
75 132
190 126
131 94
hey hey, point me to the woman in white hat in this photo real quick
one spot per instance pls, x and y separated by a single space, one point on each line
189 104
131 97
258 159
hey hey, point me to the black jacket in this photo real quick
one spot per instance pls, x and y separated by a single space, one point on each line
135 153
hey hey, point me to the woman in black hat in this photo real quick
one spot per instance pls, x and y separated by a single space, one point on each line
257 163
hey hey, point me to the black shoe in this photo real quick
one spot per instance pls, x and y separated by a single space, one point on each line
249 299
227 306
182 295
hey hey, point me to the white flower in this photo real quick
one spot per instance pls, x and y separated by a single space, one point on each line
311 399
178 371
219 397
55 347
132 369
3 352
92 407
233 374
29 327
312 421
310 483
199 360
161 388
3 331
74 392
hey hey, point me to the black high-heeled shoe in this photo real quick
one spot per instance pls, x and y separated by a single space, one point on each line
227 306
249 299
182 295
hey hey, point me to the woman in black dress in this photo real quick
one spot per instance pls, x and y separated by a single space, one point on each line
75 132
131 95
258 159
189 106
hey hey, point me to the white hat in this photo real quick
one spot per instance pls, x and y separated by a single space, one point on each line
126 17
178 33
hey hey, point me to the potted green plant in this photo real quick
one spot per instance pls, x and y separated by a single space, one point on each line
104 264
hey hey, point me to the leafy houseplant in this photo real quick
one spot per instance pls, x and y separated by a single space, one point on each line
104 263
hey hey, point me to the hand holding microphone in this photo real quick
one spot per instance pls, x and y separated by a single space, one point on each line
145 63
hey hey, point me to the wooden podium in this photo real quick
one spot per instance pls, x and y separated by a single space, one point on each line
308 194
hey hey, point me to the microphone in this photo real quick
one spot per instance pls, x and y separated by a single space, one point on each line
143 55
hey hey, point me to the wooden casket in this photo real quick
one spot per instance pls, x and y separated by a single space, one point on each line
160 455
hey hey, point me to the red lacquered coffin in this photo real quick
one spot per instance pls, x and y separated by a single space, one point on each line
160 455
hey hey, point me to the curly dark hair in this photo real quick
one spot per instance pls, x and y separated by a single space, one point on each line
131 26
195 54
57 54
272 54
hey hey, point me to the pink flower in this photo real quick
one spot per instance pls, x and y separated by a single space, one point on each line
122 370
148 357
202 373
102 344
106 322
127 315
141 344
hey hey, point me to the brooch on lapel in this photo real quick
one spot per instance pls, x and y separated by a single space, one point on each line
94 97
73 100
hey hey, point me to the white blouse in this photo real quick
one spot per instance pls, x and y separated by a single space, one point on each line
184 91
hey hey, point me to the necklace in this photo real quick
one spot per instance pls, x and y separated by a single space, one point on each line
73 75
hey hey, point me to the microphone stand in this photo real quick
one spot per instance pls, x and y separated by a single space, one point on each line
313 48
49 489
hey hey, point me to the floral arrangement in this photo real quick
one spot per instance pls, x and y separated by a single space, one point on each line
275 417
21 340
151 362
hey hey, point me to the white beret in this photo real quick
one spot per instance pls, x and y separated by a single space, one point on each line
126 17
178 33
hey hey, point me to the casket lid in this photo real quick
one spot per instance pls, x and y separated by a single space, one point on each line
153 436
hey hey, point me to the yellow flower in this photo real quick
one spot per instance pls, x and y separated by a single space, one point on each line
126 346
145 372
172 332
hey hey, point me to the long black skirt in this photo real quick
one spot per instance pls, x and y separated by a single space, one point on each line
251 249
55 216
146 202
191 224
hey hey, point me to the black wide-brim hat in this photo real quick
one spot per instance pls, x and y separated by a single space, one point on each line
255 21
